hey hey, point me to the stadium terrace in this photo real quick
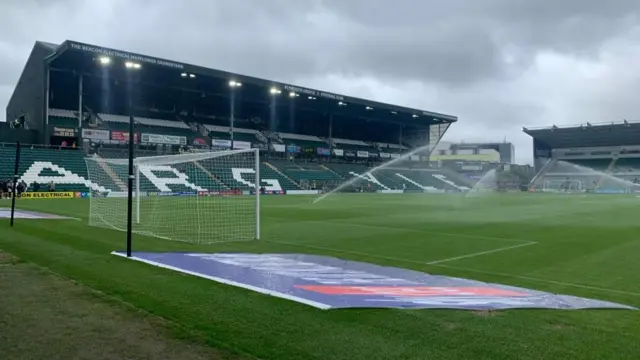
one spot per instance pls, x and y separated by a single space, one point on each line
88 90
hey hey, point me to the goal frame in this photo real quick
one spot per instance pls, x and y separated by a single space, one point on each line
577 189
256 151
135 196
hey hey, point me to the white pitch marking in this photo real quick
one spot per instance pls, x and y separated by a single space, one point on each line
434 262
480 253
344 251
364 226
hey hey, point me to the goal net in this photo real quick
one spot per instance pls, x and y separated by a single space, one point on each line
203 198
562 184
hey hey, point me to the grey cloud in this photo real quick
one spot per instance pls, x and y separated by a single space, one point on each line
475 38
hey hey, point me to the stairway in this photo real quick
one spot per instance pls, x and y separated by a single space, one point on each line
609 170
413 182
282 174
261 138
112 174
210 174
329 170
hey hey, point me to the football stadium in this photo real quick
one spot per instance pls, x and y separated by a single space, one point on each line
274 221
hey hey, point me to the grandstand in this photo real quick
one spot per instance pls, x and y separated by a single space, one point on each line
602 158
309 139
66 168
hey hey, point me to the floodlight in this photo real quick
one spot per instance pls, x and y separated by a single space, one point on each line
184 74
292 94
132 65
275 91
104 60
369 108
340 103
233 83
311 97
192 76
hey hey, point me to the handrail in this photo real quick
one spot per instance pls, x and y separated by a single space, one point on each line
36 146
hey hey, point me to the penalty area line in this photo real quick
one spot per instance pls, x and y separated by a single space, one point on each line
435 262
417 231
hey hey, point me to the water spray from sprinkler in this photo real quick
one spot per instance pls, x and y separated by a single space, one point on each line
381 166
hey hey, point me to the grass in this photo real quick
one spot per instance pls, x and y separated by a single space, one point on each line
585 246
47 317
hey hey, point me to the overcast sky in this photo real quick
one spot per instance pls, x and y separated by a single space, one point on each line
498 65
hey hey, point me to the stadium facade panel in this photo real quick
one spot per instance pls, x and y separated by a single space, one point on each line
503 152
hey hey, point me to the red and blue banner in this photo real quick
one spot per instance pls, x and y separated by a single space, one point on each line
331 283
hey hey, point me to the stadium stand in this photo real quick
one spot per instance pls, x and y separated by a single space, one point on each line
224 133
328 142
63 118
598 158
356 145
67 169
304 141
307 172
46 165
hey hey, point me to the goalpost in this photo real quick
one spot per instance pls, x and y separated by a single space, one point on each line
561 184
203 198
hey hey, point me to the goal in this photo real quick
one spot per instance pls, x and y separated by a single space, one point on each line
204 197
561 184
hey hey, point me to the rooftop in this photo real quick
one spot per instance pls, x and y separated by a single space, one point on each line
86 57
588 135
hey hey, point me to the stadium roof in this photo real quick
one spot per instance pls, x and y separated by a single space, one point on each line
76 55
588 135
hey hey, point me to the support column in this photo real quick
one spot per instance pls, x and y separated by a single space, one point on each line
331 130
80 86
232 116
47 140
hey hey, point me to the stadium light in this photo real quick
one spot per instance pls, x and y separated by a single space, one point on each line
311 98
184 74
234 84
104 60
292 94
192 76
132 65
340 103
414 116
275 91
369 108
394 112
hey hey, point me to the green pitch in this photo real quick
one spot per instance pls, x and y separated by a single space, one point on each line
572 244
